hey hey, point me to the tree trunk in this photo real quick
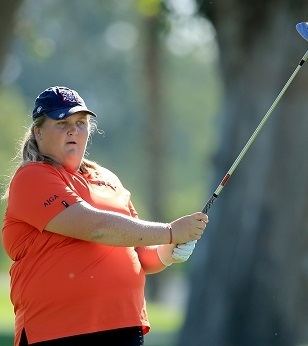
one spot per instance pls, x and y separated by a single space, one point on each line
251 264
154 132
7 18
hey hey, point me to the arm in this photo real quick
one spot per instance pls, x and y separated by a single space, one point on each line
82 221
149 259
156 258
57 208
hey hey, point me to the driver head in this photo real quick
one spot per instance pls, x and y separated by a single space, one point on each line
302 29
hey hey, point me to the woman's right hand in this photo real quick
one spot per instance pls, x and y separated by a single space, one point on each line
188 227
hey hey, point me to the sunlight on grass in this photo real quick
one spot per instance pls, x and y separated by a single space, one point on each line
6 308
163 318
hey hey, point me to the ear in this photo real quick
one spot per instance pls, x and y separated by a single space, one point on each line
37 133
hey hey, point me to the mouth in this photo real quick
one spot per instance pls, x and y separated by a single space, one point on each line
71 142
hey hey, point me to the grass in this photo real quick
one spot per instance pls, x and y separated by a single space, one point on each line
165 323
6 308
164 319
6 312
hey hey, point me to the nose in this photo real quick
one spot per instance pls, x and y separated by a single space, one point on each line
72 129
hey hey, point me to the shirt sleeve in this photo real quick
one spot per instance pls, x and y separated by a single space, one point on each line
38 193
149 259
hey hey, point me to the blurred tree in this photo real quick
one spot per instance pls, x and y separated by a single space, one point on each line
8 13
12 126
154 134
154 130
249 279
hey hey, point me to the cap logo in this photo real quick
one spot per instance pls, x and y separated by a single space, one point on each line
39 108
60 116
68 95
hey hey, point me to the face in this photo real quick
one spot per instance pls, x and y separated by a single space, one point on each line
64 140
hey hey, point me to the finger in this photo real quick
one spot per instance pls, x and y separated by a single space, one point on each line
202 216
201 225
198 231
196 236
204 221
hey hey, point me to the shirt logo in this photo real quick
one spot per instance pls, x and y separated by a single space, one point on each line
65 204
49 200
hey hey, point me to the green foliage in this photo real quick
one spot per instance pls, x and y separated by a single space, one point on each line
149 7
6 307
12 127
192 127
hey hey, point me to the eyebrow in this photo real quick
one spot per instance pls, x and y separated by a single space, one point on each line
80 116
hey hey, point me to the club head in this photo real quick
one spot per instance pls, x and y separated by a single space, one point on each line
302 29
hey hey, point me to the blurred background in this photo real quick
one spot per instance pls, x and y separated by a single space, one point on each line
180 85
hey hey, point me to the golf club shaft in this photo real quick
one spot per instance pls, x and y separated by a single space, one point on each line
227 176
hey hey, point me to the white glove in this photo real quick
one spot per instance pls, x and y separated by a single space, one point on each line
169 253
182 252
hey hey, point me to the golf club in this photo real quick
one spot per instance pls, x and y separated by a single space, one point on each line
302 29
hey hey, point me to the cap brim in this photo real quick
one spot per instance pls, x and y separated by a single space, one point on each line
66 112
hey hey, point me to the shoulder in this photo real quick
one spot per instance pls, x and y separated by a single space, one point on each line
34 167
109 176
33 173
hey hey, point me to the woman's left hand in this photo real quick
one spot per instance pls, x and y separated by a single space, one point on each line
170 253
182 252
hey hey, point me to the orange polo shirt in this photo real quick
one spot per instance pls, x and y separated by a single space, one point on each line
62 286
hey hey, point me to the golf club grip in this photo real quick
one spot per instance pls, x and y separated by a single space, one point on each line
209 203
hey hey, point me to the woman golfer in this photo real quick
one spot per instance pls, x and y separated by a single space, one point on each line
80 253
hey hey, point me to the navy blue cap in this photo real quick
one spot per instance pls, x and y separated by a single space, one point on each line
59 102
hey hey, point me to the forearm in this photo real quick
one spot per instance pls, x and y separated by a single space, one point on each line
149 259
84 222
121 230
156 258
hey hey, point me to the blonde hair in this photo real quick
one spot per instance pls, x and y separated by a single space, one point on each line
29 151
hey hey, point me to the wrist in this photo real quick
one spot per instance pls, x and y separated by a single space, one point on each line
169 227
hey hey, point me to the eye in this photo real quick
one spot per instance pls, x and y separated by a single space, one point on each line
61 123
80 122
